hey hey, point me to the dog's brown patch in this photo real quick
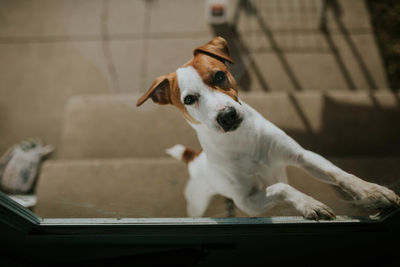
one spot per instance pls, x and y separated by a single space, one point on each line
165 90
207 67
207 61
189 155
217 48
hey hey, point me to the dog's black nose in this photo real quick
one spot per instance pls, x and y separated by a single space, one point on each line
228 119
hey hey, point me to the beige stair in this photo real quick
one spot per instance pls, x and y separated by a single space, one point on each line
112 162
335 124
151 187
154 188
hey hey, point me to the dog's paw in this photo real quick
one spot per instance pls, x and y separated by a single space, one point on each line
373 196
318 212
312 209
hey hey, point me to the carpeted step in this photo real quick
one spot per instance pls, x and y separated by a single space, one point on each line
153 187
333 124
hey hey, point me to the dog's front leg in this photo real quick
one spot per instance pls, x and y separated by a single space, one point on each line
368 195
281 193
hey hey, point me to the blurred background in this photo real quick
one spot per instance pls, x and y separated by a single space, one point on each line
326 71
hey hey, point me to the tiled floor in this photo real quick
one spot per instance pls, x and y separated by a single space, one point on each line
53 49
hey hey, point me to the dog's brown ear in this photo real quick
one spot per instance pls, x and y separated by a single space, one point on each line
218 47
160 91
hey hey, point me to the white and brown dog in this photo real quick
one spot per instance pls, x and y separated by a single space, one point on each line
244 156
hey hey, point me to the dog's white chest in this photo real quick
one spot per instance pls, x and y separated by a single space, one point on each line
241 174
237 163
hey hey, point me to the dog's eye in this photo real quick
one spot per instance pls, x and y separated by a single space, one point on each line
219 77
190 99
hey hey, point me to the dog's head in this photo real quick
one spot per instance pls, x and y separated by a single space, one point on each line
203 89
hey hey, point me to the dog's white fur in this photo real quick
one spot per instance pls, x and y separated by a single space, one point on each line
248 165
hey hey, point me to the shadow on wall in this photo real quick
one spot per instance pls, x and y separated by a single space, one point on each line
353 130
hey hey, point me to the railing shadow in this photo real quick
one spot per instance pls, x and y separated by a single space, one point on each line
245 61
249 7
337 12
352 129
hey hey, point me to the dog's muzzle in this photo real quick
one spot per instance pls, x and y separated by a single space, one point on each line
229 119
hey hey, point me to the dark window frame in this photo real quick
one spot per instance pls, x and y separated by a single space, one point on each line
130 239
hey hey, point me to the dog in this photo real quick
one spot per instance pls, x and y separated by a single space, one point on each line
244 156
